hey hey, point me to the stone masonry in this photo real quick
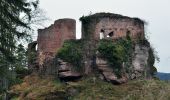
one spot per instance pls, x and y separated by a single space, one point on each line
107 25
52 38
94 27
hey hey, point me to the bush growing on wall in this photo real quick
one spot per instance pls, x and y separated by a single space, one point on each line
72 52
116 52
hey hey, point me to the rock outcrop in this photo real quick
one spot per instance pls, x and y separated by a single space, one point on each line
66 71
107 72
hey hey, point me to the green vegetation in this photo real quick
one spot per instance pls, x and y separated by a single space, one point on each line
34 87
152 55
16 19
72 52
117 52
37 88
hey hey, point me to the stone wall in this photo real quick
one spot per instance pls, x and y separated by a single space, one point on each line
94 27
114 26
42 52
52 38
107 26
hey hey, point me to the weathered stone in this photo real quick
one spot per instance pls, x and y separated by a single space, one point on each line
109 76
119 81
114 26
94 27
52 38
140 60
63 68
69 74
100 61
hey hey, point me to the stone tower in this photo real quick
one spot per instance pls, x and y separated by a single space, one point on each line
107 26
51 39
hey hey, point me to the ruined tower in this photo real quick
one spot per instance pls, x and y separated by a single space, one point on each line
108 25
52 38
95 28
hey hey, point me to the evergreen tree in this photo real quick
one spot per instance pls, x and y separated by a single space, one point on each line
15 16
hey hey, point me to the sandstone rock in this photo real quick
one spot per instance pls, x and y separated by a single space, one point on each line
105 68
63 68
140 60
119 81
109 76
69 76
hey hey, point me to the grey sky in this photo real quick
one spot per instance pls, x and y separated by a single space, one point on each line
155 12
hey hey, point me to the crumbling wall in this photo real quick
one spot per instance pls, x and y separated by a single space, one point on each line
107 26
52 38
114 26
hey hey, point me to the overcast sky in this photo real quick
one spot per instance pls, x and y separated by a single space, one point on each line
155 12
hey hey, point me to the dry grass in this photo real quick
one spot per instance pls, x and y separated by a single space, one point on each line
35 88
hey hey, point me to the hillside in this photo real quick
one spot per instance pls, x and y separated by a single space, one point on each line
163 76
35 88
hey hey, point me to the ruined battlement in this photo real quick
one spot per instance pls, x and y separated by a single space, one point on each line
51 39
114 26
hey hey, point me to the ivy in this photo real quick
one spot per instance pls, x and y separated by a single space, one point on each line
116 52
72 52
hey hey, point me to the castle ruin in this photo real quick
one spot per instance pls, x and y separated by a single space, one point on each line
94 28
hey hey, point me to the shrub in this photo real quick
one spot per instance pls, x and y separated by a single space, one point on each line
116 52
72 52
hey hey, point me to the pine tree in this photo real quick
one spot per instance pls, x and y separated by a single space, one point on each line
15 16
15 19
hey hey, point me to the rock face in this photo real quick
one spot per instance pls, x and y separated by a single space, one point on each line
94 28
140 61
108 72
66 71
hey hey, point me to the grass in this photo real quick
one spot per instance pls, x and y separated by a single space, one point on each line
35 88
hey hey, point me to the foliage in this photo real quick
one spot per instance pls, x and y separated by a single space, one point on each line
21 57
34 87
88 89
72 52
117 52
16 19
11 26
